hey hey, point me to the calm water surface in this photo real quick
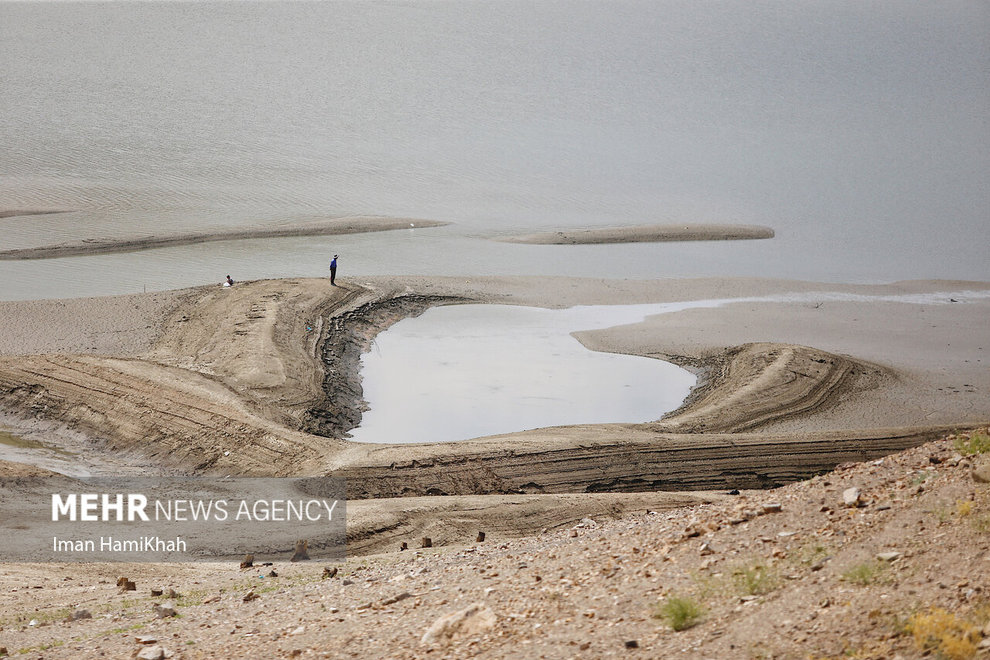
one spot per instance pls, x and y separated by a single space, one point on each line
858 131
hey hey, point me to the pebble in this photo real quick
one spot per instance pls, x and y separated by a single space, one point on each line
164 611
151 653
889 556
852 497
981 470
472 620
80 614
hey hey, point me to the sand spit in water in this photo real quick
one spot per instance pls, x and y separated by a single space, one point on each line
645 234
350 225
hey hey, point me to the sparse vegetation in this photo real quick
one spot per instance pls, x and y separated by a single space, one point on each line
679 612
975 443
865 573
756 580
942 632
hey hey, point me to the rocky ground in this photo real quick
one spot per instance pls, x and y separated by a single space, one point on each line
883 559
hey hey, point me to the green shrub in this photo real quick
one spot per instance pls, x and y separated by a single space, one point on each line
679 612
977 443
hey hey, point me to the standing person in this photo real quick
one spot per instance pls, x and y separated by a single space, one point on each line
333 271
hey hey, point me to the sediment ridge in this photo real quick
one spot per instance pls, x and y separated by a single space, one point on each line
350 225
644 234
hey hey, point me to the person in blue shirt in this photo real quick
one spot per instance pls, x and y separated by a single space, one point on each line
333 271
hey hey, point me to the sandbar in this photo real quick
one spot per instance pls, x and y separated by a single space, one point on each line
336 226
644 234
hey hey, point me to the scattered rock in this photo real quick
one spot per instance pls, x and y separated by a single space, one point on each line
151 653
481 537
329 572
852 497
155 593
632 644
472 620
396 599
773 507
981 470
78 615
127 585
706 549
272 573
248 561
820 564
404 546
249 596
302 551
889 556
427 542
146 639
164 611
172 594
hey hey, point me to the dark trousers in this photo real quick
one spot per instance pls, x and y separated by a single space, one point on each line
333 274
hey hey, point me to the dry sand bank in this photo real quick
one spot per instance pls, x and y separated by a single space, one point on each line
644 234
238 380
350 225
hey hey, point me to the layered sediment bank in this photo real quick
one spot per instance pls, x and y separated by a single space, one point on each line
263 379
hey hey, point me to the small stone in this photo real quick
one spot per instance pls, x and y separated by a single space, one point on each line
574 533
164 611
773 507
146 639
329 572
981 470
481 537
404 546
472 620
302 551
272 573
632 644
155 593
172 594
249 596
248 561
298 631
426 542
151 653
80 614
889 556
706 549
852 497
